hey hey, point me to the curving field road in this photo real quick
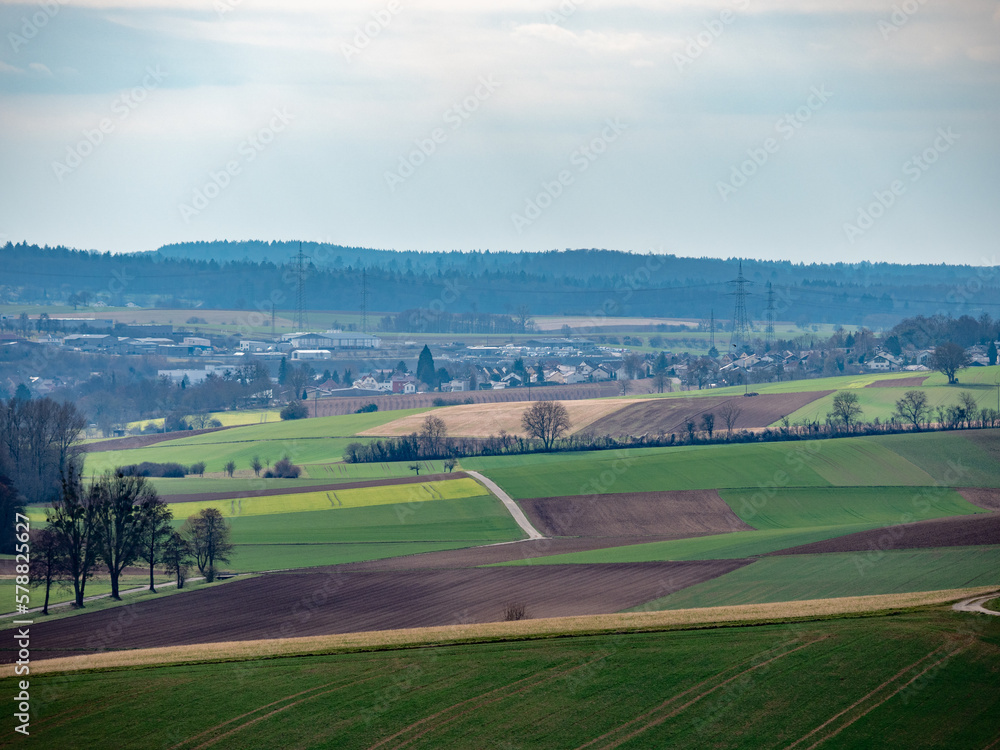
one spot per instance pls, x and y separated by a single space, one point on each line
515 511
975 604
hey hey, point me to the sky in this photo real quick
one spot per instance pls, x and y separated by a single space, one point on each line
833 130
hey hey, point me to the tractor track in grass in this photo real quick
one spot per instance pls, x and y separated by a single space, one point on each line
314 693
868 709
480 701
655 716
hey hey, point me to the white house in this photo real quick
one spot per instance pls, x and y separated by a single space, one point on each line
882 363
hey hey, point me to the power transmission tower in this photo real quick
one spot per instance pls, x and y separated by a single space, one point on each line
769 317
711 328
740 339
364 300
300 292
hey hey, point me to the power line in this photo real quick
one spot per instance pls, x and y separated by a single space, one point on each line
740 338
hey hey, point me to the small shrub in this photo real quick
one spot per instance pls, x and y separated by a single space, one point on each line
283 469
514 611
294 410
366 409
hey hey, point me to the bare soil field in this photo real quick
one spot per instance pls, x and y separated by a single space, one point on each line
329 407
984 497
483 420
957 531
668 415
211 496
914 382
144 441
326 601
676 515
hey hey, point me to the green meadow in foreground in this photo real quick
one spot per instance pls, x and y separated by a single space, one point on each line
924 679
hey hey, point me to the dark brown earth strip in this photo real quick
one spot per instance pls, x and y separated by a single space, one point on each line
674 514
956 531
669 415
984 497
238 494
335 600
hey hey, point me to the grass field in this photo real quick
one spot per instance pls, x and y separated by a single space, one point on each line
358 497
833 506
304 441
924 679
798 577
862 461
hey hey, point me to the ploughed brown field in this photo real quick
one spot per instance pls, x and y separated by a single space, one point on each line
338 600
668 415
328 407
671 515
235 495
956 531
899 382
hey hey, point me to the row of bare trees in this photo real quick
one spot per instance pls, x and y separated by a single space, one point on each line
116 521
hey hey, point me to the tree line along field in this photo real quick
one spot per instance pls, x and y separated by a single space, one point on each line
920 679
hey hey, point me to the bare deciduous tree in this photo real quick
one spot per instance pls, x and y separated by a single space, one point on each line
948 359
73 518
846 410
913 408
730 412
545 420
432 432
47 564
123 503
208 535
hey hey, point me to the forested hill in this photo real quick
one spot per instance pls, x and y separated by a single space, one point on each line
252 275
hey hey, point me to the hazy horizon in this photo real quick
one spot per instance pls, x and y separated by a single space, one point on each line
828 132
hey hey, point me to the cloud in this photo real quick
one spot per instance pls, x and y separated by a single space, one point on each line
6 68
40 68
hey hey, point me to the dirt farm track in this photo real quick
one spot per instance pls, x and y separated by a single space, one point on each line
337 600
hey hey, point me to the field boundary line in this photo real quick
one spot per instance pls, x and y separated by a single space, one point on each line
522 630
508 501
657 720
864 698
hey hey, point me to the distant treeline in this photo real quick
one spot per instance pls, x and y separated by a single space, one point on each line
254 276
414 448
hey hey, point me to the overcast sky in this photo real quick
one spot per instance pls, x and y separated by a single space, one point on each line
810 131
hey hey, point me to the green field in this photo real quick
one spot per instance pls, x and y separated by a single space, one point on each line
357 497
407 526
304 441
844 462
924 679
797 577
833 506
